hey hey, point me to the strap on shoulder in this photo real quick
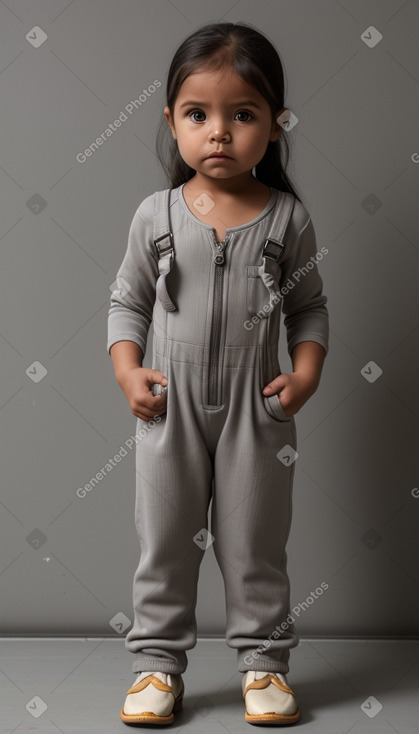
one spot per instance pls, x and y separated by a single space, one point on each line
163 242
274 246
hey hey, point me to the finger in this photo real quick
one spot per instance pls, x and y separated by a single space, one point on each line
274 386
156 376
154 403
147 415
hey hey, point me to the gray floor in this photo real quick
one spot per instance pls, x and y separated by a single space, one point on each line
77 686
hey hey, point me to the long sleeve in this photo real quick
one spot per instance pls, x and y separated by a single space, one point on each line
133 295
304 305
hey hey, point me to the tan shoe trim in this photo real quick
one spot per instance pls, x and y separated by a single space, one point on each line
271 718
266 681
157 683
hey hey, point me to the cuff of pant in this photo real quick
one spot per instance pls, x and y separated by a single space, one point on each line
156 665
251 660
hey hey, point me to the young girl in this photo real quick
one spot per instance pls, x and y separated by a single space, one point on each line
211 261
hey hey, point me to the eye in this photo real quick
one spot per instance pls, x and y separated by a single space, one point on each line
245 112
196 112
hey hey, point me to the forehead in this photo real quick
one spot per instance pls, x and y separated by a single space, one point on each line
205 83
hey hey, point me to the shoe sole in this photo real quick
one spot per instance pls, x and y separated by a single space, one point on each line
274 719
148 717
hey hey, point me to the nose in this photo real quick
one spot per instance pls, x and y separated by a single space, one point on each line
220 133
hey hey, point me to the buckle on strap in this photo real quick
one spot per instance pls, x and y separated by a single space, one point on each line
272 249
163 249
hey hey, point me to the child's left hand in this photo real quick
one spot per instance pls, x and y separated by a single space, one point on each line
295 388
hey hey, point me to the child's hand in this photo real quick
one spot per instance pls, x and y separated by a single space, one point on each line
295 388
136 383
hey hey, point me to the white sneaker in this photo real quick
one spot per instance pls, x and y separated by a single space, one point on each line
268 698
153 699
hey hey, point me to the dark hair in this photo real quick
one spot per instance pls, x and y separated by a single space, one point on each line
256 60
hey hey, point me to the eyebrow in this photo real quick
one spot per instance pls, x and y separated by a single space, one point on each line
247 103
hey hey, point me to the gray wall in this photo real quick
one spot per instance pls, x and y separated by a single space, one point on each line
67 562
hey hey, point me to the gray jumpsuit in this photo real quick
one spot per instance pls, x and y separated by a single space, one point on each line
216 312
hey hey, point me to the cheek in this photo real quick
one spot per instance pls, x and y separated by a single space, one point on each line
187 142
187 147
187 134
257 145
251 147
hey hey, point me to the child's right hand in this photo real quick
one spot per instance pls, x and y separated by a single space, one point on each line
136 383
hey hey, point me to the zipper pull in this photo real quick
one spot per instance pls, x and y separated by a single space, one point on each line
219 258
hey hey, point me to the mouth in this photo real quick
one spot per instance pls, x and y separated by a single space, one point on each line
219 155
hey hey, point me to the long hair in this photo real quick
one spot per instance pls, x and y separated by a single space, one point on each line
251 55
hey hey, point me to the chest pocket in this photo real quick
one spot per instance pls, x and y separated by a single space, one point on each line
262 286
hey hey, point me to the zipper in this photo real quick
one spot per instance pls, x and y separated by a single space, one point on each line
217 316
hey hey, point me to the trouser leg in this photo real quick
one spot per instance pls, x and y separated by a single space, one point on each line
173 491
250 520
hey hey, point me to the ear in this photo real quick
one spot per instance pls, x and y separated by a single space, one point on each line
169 120
281 118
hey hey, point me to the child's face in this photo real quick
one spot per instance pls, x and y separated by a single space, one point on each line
219 111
